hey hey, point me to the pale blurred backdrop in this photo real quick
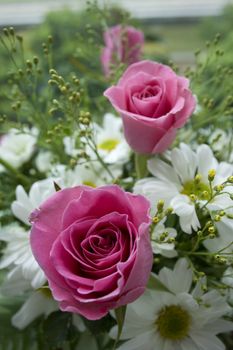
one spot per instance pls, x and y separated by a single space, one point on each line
29 12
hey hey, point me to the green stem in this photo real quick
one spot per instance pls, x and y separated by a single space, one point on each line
104 165
141 165
120 317
23 179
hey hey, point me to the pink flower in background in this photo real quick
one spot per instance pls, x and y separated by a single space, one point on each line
94 247
153 102
123 44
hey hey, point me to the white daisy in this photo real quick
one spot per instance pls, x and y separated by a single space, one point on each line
175 320
110 141
38 304
43 161
24 272
176 183
163 246
69 143
224 240
91 174
228 281
219 140
17 147
19 258
25 203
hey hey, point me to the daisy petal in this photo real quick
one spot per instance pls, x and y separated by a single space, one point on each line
206 161
142 341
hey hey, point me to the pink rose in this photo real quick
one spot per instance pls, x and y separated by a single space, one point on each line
94 247
122 45
153 102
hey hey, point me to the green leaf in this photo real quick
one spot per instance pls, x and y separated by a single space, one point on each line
56 328
120 317
155 284
101 326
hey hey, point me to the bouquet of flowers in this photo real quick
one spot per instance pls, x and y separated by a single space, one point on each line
116 204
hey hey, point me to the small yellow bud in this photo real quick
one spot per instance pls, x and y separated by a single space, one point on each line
218 188
29 64
12 31
197 178
193 197
52 110
19 38
73 162
230 179
211 174
52 71
222 261
156 260
201 274
205 194
217 218
162 238
209 223
211 229
86 121
160 205
6 31
77 96
35 60
52 81
50 39
63 89
204 288
155 219
168 211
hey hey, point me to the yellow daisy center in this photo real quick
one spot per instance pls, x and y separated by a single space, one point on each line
108 145
173 322
89 183
199 189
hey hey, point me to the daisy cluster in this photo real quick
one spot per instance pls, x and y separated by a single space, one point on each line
191 207
117 228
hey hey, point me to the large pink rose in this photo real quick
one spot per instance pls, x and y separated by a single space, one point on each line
94 247
153 102
123 44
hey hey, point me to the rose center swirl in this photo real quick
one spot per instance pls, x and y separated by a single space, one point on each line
101 243
148 92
